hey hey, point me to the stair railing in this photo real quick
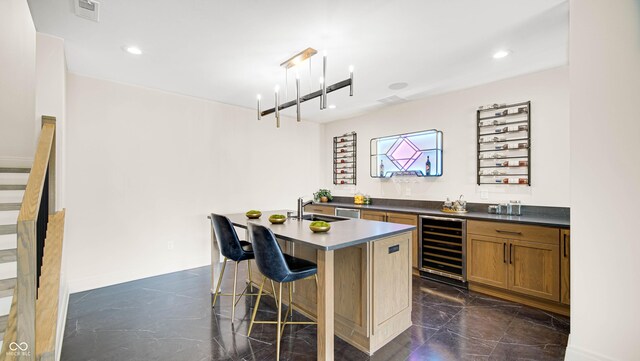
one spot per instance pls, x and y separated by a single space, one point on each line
20 335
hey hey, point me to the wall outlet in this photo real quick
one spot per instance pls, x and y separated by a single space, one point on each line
170 245
484 194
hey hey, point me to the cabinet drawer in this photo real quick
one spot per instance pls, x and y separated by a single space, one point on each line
374 216
514 231
402 218
326 210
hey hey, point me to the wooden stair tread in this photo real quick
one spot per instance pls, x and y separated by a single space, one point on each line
9 206
14 170
13 187
8 255
8 229
7 286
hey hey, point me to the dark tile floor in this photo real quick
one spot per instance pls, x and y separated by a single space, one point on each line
170 317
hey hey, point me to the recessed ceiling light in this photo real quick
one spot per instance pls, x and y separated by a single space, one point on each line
501 54
133 50
398 86
332 106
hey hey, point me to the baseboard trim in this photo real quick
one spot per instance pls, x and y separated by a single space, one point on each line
63 321
575 353
114 278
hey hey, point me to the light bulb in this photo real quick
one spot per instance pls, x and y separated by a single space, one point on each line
277 88
259 97
501 54
321 80
350 68
133 50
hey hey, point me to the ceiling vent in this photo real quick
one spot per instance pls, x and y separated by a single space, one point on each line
394 99
88 9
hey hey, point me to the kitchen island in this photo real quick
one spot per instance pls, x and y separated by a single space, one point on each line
364 278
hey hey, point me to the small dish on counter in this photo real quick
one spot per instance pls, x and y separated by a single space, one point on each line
319 226
277 218
458 206
253 214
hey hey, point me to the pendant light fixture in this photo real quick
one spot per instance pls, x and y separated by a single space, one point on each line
320 93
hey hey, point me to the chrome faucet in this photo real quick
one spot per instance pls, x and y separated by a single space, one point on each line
301 205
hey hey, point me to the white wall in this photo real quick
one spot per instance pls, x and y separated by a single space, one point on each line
145 168
605 180
455 114
17 81
51 74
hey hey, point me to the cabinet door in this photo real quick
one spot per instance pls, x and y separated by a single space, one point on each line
391 280
314 208
374 216
487 260
534 269
412 220
564 266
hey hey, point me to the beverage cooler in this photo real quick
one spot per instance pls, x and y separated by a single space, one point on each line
443 249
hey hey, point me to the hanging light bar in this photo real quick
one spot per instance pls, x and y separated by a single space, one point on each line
297 96
321 93
259 97
277 107
324 83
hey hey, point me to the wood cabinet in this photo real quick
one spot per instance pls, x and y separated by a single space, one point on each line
320 209
372 289
487 260
374 216
564 266
518 262
534 269
402 218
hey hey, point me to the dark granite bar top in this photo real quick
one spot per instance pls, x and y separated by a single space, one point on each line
345 233
535 215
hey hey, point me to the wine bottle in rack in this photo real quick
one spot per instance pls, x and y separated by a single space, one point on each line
427 167
381 169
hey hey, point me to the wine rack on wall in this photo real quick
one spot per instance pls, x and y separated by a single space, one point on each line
504 144
344 159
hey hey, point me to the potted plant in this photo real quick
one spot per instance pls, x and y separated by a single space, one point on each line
324 195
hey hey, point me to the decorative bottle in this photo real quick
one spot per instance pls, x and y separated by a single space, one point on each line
381 169
427 167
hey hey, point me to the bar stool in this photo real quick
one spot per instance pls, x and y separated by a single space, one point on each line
232 248
279 267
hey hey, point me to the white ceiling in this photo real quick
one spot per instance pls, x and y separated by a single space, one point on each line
229 51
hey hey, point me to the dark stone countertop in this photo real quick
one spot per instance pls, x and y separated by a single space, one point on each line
342 234
534 215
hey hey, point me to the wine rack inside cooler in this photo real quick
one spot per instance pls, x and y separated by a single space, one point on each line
443 248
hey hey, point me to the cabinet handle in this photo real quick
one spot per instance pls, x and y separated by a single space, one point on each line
504 252
510 253
564 245
508 232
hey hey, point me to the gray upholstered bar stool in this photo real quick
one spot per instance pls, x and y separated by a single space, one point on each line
232 248
281 268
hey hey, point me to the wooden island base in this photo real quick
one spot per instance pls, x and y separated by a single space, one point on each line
372 283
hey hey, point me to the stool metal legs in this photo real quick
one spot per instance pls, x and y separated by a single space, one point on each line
280 323
235 296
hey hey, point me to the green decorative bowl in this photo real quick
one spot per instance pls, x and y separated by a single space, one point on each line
253 214
318 227
277 218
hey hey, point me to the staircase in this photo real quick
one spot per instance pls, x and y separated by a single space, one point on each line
12 185
31 235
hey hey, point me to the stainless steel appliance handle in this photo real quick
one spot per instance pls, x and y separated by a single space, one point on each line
443 218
